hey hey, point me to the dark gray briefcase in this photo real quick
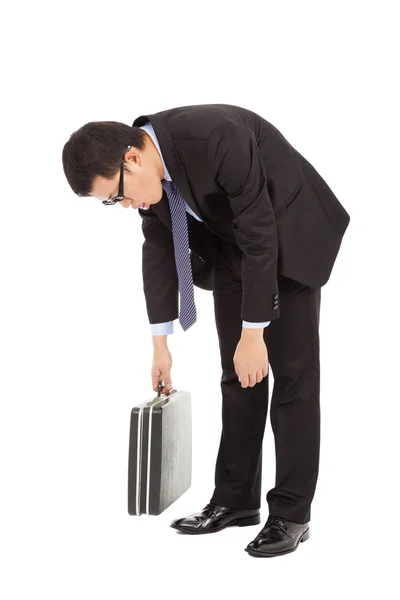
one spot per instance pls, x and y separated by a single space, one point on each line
160 452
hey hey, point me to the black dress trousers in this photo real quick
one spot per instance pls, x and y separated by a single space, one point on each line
292 342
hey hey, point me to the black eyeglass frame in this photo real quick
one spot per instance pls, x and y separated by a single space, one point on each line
120 195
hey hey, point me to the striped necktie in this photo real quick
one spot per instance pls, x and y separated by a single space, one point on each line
187 309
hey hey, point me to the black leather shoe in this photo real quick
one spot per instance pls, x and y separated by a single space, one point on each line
278 536
215 518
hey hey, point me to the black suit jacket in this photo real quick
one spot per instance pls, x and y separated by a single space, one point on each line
262 203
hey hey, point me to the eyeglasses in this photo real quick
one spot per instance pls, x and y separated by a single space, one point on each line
121 183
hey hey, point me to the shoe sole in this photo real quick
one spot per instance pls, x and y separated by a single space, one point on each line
245 522
259 554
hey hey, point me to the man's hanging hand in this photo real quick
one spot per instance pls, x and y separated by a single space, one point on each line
251 357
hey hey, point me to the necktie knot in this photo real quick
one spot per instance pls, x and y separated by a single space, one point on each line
167 185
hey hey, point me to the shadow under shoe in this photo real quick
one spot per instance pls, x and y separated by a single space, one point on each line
214 518
278 536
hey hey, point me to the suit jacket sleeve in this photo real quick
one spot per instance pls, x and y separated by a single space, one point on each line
237 167
160 278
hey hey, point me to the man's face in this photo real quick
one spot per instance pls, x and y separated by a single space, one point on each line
142 184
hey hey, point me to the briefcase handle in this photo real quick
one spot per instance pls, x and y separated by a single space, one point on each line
160 387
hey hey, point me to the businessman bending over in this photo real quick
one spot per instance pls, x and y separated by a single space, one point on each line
264 230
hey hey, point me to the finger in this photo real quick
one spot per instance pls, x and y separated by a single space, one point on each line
252 379
244 381
167 382
156 379
260 375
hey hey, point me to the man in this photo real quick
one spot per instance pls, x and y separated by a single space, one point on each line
264 230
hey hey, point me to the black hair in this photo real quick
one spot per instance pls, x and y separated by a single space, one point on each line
95 149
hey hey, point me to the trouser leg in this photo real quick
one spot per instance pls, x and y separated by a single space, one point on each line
244 410
293 348
293 351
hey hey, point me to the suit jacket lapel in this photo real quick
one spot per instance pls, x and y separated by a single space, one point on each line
174 166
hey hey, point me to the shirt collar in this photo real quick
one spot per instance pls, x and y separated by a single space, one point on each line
148 127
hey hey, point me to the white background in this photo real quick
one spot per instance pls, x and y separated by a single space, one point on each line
76 347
